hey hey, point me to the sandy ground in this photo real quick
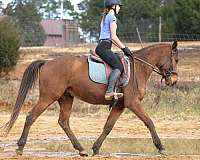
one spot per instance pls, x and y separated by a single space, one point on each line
90 126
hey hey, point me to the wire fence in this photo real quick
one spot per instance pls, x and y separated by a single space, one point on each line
129 37
154 37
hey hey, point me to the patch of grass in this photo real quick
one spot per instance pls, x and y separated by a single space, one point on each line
180 102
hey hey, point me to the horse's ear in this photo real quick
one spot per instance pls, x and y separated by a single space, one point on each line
174 45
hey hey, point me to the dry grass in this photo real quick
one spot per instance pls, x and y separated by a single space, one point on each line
184 96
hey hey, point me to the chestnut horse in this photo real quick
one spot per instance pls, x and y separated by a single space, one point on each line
67 77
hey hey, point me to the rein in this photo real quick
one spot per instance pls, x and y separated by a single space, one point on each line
155 69
147 63
141 60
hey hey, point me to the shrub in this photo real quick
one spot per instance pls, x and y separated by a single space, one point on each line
9 44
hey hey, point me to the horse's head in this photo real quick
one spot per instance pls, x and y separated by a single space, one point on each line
168 65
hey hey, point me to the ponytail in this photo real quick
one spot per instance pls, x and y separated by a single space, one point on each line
106 10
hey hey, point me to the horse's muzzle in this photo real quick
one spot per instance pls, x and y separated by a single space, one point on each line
171 78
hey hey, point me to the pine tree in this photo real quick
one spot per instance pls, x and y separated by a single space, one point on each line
28 19
9 44
51 8
182 16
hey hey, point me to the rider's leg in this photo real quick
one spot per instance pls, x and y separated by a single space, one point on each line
104 51
112 81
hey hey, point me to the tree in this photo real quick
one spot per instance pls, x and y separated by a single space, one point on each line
182 16
27 17
141 14
133 14
70 8
91 16
50 8
9 44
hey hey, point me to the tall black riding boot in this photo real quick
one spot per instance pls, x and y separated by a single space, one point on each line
110 93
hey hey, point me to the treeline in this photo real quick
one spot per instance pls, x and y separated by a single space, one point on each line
178 16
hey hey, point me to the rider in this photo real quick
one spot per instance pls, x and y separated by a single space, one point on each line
107 37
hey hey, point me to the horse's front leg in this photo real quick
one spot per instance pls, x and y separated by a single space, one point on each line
137 108
112 118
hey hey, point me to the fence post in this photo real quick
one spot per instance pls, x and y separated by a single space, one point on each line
160 29
138 33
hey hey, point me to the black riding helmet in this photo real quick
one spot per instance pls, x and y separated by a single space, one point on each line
110 3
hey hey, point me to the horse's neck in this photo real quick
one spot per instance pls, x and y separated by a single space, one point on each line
146 71
150 57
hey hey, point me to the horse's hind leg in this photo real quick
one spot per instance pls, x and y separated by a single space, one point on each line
112 118
37 110
65 110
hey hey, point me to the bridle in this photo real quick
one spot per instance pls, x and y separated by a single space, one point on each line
167 75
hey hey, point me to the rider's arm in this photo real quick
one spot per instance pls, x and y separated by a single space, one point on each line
115 39
113 29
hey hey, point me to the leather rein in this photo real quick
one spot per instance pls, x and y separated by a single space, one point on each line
155 69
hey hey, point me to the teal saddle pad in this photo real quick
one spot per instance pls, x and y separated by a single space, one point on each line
97 72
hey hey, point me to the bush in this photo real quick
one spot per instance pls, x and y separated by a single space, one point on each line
32 34
9 44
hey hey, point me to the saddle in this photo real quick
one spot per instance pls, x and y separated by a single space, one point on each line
99 70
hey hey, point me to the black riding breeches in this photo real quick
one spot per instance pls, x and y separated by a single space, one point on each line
103 49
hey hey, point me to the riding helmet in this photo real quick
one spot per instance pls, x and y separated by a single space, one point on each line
110 3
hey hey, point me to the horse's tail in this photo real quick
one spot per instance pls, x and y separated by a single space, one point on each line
28 80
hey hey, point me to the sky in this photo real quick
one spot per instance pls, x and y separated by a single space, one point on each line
74 2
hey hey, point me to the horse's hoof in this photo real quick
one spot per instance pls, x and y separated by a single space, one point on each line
1 149
19 152
95 149
163 152
83 154
95 154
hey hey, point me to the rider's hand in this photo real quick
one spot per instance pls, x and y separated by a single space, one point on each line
127 51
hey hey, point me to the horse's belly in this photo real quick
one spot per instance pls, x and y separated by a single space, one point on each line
82 87
92 95
92 100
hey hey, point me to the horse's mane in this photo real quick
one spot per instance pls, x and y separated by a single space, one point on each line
153 46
